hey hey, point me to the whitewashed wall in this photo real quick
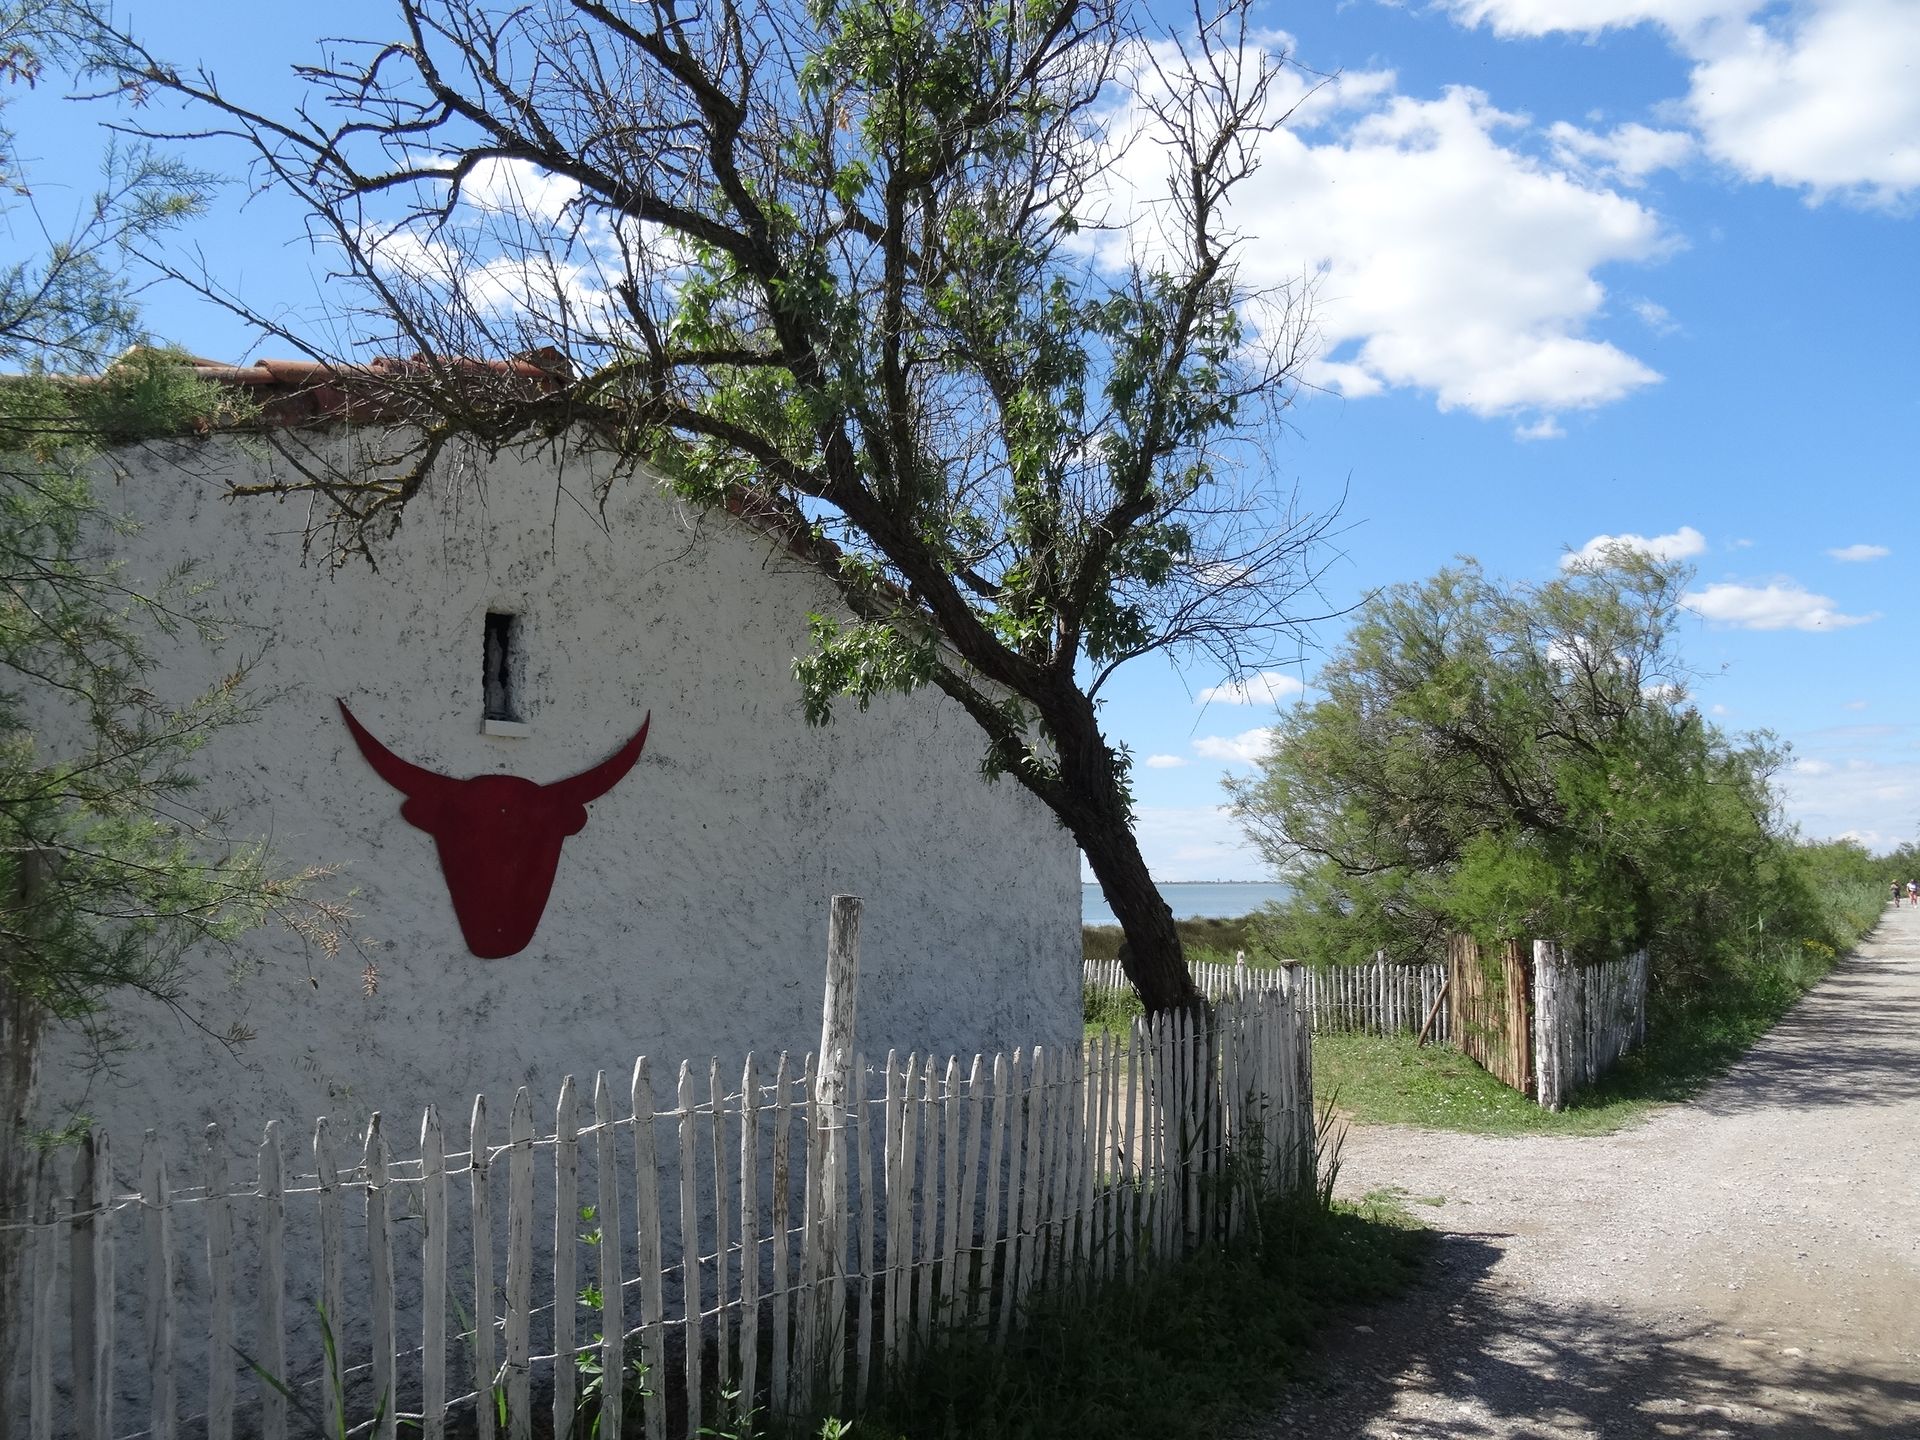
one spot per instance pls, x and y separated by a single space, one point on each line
688 918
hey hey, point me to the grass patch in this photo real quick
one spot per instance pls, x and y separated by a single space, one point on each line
1390 1081
1178 1355
1110 1010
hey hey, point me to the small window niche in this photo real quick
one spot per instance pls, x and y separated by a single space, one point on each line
500 676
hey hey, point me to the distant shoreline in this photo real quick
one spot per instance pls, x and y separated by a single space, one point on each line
1193 899
1095 884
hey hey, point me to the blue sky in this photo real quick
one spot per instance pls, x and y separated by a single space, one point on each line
1583 268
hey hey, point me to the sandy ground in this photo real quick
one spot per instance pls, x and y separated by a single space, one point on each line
1744 1265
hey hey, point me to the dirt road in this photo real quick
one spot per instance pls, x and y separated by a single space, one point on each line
1747 1264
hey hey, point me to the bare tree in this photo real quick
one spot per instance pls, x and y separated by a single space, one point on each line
892 275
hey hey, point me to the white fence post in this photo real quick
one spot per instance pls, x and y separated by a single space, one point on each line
1585 1017
566 1257
824 1269
380 1263
273 1283
479 1158
433 1277
157 1231
219 1288
1547 995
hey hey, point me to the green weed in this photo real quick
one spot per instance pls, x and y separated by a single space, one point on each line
1113 1010
335 1424
1176 1355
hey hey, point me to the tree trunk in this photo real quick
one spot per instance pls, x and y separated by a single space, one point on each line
1152 956
1096 812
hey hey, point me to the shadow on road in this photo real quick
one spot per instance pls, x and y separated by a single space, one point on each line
1461 1360
1855 1040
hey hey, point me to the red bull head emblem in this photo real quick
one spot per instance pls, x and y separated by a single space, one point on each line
498 836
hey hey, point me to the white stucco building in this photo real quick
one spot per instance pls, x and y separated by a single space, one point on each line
687 917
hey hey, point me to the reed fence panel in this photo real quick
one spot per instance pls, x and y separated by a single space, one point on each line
1490 995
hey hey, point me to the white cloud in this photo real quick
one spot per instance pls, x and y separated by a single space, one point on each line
400 251
559 284
1246 748
1855 554
1267 687
1441 254
547 285
1627 153
517 187
1165 762
1655 316
1664 692
1778 605
1820 96
1541 17
1682 544
1545 428
1825 96
1855 705
1719 710
1870 797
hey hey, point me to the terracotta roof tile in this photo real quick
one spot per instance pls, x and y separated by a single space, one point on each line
308 392
314 392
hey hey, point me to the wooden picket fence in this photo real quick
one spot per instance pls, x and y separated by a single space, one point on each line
787 1239
1542 1022
1585 1017
1374 999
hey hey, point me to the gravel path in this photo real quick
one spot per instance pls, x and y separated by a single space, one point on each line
1747 1264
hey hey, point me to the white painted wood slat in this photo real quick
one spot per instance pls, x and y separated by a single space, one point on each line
802 1371
272 1284
864 1294
892 1307
333 1246
690 1302
386 1394
780 1218
613 1308
519 1367
479 1169
433 1277
998 1195
566 1255
925 1184
722 1209
647 1232
220 1357
749 1161
82 1289
46 1285
963 1285
105 1293
157 1245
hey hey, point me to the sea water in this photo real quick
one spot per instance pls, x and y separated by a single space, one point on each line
1214 899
